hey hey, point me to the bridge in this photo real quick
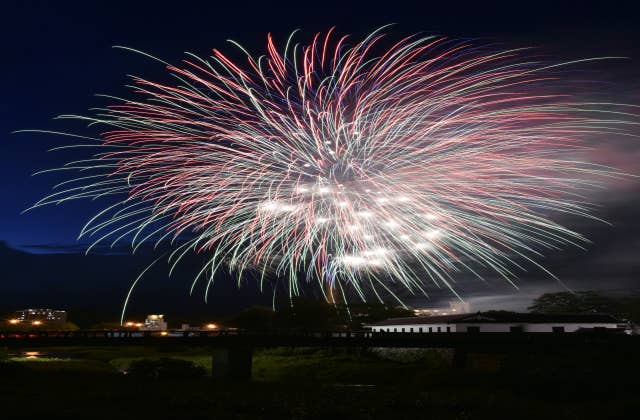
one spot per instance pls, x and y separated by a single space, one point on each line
303 338
232 350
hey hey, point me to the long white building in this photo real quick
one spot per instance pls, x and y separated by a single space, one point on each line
500 322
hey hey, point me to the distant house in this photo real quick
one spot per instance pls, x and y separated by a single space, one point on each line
500 322
154 323
38 316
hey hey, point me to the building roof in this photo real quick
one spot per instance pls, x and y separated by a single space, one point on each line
501 317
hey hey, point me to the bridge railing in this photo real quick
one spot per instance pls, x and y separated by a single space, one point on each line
301 337
129 333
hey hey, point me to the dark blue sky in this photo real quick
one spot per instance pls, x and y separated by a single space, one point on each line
57 55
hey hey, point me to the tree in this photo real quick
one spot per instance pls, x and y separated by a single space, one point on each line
573 303
310 314
68 326
107 325
588 302
254 318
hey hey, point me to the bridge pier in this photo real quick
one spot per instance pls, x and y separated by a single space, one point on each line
232 364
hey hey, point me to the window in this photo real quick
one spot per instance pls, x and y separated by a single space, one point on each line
410 329
439 329
448 329
430 329
420 329
557 329
395 330
516 329
473 329
403 330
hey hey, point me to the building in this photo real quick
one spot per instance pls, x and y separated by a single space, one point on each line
41 316
501 322
154 323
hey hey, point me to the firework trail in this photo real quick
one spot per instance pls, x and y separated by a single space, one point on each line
360 167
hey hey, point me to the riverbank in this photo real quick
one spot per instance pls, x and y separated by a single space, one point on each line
312 384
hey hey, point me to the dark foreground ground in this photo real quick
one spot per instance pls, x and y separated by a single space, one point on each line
85 383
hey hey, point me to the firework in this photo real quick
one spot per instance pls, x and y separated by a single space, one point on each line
357 166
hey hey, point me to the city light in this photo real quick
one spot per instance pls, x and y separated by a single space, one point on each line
36 322
212 326
14 321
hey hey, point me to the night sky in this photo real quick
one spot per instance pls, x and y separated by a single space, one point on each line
57 56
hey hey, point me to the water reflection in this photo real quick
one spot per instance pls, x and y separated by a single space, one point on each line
33 355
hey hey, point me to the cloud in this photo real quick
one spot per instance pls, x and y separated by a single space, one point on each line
80 248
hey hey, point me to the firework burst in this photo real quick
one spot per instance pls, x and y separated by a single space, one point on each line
349 164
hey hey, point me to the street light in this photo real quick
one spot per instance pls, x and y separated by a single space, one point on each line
14 321
212 326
